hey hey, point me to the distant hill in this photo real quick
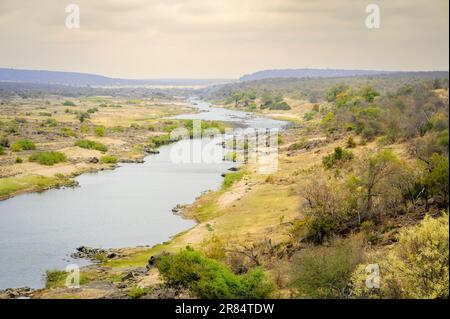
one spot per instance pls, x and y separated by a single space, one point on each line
308 73
86 79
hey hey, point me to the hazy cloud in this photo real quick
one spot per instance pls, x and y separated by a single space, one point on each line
221 38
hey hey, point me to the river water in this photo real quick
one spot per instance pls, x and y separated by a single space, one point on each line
126 207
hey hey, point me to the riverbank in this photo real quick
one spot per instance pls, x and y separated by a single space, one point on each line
125 129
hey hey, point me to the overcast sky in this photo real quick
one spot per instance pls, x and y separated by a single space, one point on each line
222 38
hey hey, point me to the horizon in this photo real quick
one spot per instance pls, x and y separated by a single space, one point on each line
218 78
201 39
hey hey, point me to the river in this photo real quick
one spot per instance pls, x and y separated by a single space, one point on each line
125 207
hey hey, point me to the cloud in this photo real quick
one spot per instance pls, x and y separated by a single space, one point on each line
216 38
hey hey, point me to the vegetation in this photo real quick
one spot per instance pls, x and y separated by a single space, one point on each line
23 145
416 267
209 279
48 158
91 145
108 159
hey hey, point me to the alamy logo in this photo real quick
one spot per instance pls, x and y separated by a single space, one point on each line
73 17
373 276
373 17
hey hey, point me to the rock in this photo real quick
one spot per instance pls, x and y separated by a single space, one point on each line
16 293
111 255
128 276
93 160
233 169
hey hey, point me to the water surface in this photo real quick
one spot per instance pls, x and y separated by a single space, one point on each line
125 207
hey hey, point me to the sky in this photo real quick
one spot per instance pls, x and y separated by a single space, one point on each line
222 38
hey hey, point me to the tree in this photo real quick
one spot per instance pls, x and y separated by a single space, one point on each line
416 267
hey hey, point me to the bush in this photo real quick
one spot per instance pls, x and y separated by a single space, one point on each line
338 156
416 267
48 158
279 106
68 103
23 145
99 131
324 272
19 160
2 150
67 132
108 159
160 140
207 278
91 145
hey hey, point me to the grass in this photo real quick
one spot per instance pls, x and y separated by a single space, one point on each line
91 145
12 185
232 178
48 158
23 145
108 159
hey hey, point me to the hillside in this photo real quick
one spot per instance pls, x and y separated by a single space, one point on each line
87 79
308 73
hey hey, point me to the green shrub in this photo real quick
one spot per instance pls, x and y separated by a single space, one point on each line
99 131
55 278
91 145
279 106
108 159
324 272
338 156
19 160
92 110
84 129
68 103
160 140
207 278
2 150
416 267
137 292
23 145
67 132
48 158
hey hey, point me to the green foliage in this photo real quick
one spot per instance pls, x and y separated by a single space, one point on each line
324 272
436 180
279 106
157 141
416 267
55 278
84 129
137 292
99 131
339 156
231 178
327 118
68 103
91 145
67 132
335 90
2 150
209 279
48 158
19 160
108 159
92 110
369 94
23 145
